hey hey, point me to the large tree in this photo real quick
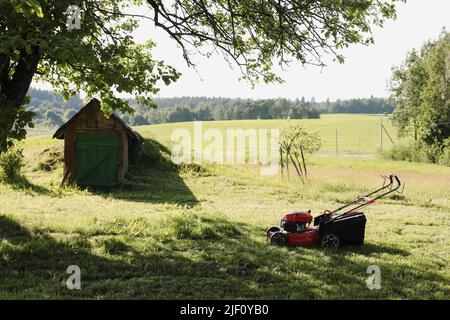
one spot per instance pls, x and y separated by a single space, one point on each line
406 85
102 59
421 93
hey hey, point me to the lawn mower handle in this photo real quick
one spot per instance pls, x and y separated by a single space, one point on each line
397 179
385 186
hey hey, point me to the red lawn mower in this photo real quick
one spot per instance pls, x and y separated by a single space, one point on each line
332 228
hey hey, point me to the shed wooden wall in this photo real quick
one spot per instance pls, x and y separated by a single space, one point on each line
93 119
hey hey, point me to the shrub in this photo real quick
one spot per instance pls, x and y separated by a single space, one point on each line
414 152
444 158
399 152
11 163
420 152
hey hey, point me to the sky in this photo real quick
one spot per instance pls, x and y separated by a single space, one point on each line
365 72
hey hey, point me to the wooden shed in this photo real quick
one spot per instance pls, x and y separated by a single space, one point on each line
96 148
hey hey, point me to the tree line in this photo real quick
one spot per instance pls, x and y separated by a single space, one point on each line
51 110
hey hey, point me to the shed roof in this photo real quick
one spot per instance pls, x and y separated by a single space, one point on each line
132 135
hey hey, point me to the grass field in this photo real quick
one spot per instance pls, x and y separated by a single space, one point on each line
199 232
356 133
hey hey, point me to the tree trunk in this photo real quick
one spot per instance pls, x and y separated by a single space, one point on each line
295 166
287 164
13 90
281 162
303 160
298 164
415 130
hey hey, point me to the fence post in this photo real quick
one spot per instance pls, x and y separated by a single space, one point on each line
381 135
388 135
337 146
359 145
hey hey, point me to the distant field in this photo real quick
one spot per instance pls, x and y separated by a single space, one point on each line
356 133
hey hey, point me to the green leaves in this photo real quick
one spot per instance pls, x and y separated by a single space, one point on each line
13 122
28 7
296 137
296 143
256 35
101 58
421 93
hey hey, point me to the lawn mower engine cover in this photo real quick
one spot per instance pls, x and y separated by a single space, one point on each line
296 221
295 230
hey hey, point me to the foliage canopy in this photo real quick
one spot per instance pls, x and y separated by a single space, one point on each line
296 143
420 90
102 59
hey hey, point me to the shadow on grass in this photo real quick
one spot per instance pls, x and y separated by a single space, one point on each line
23 184
34 264
199 258
373 248
153 177
13 231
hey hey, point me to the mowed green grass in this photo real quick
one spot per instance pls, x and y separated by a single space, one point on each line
355 133
199 232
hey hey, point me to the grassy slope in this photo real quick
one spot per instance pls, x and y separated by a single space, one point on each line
170 234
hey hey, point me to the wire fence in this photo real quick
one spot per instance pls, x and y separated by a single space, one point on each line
357 142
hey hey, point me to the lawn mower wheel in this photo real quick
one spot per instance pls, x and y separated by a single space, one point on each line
330 240
278 239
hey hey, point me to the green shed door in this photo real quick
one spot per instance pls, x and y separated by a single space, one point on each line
96 158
